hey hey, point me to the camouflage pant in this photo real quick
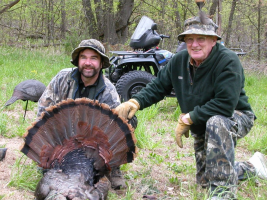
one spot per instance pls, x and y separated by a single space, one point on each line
215 154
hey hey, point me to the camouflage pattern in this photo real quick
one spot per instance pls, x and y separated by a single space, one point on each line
64 85
194 26
215 156
91 44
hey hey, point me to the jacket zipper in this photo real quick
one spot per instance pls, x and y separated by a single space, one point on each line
191 80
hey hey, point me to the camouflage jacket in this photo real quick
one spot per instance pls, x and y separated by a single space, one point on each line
66 84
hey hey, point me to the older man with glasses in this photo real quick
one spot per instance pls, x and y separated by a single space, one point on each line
208 80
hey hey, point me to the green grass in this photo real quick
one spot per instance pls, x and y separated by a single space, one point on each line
19 64
24 175
3 124
161 169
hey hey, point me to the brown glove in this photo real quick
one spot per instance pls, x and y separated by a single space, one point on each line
127 109
182 129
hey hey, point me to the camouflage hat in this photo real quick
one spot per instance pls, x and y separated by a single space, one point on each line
194 26
90 44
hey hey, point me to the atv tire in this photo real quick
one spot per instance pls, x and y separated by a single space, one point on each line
131 83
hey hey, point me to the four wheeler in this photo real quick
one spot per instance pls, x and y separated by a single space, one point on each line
130 71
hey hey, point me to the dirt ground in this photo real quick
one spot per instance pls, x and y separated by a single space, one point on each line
13 145
12 154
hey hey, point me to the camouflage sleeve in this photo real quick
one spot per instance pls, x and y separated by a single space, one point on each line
54 92
110 95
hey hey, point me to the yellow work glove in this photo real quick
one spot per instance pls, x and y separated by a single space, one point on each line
182 128
127 109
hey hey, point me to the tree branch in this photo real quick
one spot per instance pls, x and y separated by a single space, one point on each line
8 6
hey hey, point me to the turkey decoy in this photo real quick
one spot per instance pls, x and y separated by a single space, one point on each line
202 16
27 90
77 142
2 153
200 3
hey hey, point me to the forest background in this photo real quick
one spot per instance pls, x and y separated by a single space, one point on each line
37 37
42 23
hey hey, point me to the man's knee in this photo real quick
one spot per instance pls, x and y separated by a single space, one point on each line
216 120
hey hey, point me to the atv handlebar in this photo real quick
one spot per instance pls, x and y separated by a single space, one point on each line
164 36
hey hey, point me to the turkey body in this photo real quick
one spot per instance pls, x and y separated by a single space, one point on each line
78 142
75 179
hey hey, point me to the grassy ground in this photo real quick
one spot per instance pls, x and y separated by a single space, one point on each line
161 170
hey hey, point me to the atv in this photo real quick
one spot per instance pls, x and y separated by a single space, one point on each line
130 71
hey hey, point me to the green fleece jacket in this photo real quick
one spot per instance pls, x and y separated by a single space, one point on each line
216 89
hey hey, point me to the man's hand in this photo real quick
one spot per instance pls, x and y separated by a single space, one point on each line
182 128
127 109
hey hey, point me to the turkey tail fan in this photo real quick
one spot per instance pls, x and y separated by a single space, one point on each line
80 124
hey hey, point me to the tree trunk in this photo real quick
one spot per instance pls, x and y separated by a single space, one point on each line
106 24
265 48
50 21
259 30
125 10
109 26
213 8
229 28
8 6
100 13
219 20
63 20
178 24
91 21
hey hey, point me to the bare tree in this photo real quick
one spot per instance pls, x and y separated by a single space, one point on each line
213 8
89 14
63 19
107 23
219 17
178 24
8 6
259 29
125 10
229 27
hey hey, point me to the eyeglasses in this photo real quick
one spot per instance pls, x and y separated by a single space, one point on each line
190 40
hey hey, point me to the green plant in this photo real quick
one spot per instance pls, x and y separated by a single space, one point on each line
3 124
174 167
160 168
112 196
24 175
174 180
157 159
129 193
144 139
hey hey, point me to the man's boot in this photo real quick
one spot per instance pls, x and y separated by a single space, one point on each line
116 179
259 161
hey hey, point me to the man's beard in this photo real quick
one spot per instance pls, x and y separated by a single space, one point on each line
92 74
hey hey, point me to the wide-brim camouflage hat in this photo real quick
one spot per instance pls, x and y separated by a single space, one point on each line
90 44
195 26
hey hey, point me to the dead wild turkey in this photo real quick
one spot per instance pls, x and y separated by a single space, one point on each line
79 141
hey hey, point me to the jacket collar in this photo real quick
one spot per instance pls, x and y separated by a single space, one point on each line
99 84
